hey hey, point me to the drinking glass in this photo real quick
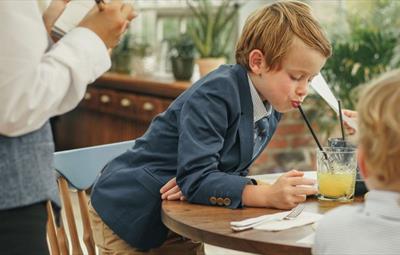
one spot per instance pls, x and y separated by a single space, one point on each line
336 173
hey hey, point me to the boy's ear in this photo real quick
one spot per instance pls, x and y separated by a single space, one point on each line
361 162
256 61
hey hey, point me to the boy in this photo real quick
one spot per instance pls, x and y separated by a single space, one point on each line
210 135
371 228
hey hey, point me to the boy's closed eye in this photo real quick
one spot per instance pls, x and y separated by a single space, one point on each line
296 78
299 78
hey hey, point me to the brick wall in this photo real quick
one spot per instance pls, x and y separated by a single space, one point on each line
291 147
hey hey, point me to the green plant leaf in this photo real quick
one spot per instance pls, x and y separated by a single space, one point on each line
211 28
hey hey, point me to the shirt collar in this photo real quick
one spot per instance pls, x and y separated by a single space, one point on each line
260 109
383 203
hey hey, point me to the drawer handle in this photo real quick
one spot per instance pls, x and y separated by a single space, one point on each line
148 106
105 99
125 102
87 96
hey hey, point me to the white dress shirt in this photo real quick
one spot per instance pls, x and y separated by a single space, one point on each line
372 228
39 80
260 109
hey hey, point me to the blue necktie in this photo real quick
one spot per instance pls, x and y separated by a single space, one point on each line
260 135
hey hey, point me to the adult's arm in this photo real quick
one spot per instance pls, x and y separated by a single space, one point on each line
39 81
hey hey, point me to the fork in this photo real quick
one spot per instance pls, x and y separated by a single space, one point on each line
294 212
252 223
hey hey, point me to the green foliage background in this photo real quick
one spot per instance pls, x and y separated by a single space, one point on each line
368 48
212 27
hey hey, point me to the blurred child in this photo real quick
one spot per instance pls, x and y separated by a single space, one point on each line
373 227
210 135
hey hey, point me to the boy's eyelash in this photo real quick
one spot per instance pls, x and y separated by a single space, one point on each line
295 78
300 78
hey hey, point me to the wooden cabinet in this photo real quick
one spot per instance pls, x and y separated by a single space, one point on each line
115 108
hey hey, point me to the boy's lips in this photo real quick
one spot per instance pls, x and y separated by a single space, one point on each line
296 104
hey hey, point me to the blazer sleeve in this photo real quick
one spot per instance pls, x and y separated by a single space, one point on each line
204 120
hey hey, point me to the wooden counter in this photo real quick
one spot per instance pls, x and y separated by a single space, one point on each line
116 107
142 85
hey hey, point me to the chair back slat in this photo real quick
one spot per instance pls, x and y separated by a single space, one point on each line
69 215
51 230
79 169
57 238
62 240
87 230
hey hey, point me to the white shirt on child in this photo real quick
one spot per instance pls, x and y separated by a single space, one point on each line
371 228
260 110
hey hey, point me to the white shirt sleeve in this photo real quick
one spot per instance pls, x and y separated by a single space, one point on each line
38 81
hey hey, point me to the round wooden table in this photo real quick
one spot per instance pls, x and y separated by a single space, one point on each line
211 224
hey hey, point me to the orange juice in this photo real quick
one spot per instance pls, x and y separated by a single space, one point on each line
336 185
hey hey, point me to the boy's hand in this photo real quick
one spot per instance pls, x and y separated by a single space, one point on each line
53 12
171 191
288 191
352 115
110 23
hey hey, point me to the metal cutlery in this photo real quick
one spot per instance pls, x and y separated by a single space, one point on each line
250 223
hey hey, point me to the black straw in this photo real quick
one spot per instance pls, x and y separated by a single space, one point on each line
341 119
312 132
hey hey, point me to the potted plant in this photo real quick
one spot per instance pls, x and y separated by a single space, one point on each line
182 53
143 60
211 31
121 56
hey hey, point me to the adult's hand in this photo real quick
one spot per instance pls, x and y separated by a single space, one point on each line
111 22
53 12
353 115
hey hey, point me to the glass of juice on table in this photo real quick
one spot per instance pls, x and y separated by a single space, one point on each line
336 173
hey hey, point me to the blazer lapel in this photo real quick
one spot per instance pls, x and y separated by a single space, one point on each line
246 121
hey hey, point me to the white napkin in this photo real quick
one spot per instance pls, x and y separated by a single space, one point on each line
309 240
321 87
275 222
304 218
264 218
271 178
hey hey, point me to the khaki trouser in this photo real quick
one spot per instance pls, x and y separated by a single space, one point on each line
109 243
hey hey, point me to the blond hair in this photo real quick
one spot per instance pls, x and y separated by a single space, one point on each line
272 29
379 126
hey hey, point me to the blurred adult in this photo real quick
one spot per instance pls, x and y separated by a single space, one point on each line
353 115
40 79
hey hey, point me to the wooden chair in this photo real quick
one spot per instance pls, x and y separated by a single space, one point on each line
78 169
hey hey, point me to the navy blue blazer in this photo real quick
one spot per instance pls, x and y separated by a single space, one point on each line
205 138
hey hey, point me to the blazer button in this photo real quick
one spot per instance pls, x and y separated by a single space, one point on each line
227 201
213 200
220 201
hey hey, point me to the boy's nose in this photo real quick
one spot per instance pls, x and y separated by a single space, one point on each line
302 89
